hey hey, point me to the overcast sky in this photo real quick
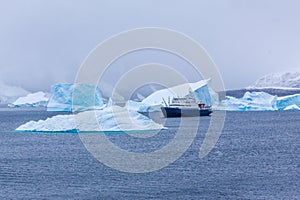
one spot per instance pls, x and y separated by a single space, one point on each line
44 42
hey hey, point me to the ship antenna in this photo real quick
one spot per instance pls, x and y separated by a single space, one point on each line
164 101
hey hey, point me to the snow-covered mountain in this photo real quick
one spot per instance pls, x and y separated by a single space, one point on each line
287 79
9 94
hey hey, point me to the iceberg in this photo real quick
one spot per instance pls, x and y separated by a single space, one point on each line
230 104
58 123
74 97
260 101
292 107
112 118
251 101
201 91
288 102
38 99
88 97
142 107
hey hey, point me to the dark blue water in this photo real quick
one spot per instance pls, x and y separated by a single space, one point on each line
256 157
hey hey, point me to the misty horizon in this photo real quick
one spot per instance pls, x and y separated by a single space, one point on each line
44 43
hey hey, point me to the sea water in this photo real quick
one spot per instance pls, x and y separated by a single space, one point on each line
256 157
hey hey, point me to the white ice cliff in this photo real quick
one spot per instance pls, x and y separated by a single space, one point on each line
74 97
38 99
112 118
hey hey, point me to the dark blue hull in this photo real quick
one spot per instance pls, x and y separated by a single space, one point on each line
185 112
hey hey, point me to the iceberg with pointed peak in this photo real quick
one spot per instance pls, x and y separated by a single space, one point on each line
201 91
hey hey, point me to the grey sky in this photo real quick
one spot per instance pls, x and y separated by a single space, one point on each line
44 42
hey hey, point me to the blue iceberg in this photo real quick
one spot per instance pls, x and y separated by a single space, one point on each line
260 101
81 97
292 107
290 102
203 94
74 97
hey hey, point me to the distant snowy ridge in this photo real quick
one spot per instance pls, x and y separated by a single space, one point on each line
281 80
9 94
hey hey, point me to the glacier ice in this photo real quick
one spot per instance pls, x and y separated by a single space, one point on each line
74 97
112 118
38 99
259 101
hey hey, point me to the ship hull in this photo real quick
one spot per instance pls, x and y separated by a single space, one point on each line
184 112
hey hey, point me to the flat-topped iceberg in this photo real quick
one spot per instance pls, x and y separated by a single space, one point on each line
38 99
260 101
74 97
112 118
